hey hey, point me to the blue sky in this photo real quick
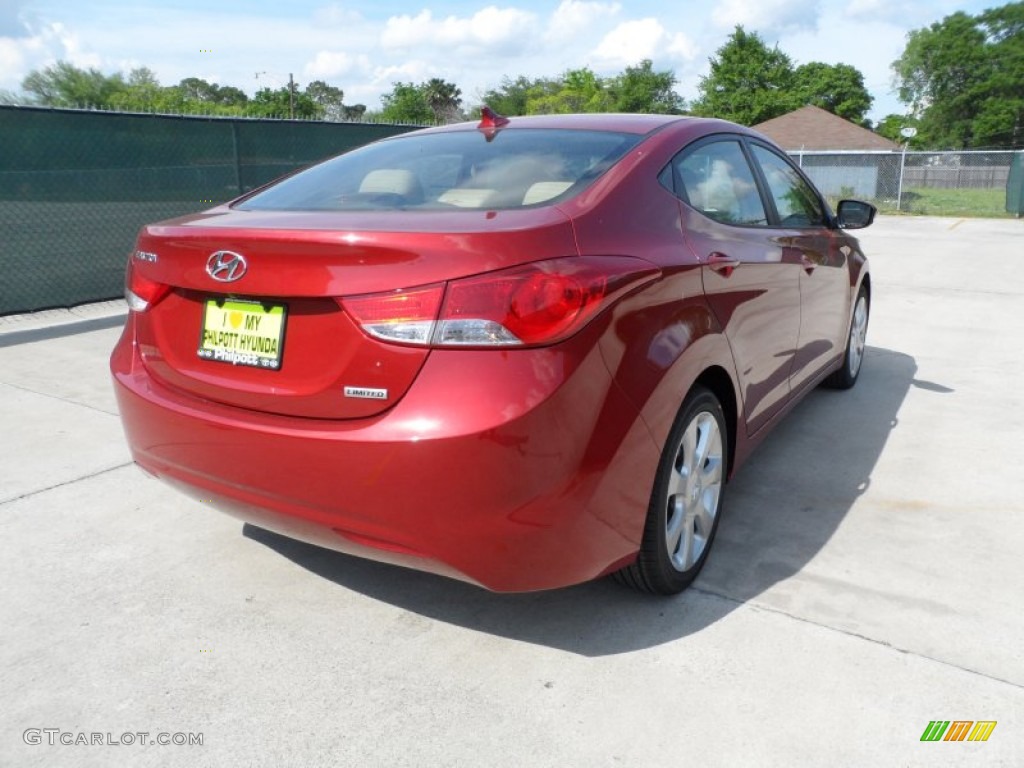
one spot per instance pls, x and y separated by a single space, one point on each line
363 47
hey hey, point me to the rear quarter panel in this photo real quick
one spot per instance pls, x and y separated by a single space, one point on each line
664 337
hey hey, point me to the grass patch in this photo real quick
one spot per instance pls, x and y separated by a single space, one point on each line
928 201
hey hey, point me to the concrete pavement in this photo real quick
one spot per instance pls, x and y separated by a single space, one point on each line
867 579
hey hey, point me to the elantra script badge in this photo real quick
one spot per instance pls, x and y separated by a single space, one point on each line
226 266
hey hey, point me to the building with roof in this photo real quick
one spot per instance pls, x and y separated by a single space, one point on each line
811 128
842 158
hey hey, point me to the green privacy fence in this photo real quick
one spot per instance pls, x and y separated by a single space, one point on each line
1015 187
76 186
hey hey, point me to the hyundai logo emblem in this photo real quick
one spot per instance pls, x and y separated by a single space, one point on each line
226 266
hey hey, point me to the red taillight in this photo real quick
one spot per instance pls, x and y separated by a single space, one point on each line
140 292
526 306
532 305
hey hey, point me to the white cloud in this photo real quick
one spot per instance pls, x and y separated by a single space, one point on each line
865 8
766 16
411 71
336 15
632 41
335 64
878 43
907 14
127 65
42 47
11 59
681 47
73 50
488 28
573 17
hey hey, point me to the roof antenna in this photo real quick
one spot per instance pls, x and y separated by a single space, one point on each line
491 122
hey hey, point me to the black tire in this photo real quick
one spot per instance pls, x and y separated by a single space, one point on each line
853 358
685 495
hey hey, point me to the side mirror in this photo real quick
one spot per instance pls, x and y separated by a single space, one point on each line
855 214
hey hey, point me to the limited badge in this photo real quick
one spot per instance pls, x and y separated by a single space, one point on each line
366 393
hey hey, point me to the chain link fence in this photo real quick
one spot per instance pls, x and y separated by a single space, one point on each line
967 183
76 186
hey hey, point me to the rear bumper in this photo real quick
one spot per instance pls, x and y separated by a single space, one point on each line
515 470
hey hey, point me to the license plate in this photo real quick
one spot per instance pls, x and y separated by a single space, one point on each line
242 332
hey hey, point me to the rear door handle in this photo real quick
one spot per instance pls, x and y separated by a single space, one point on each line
722 264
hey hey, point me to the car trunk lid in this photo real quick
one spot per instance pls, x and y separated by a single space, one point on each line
274 338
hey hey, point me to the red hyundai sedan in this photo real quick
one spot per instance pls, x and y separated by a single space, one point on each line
523 353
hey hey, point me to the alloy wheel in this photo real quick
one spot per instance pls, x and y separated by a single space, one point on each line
693 491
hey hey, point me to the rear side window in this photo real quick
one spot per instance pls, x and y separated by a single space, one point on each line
443 171
716 179
796 202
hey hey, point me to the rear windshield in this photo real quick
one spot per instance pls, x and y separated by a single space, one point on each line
444 171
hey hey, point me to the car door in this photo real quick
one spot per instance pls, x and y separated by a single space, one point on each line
751 286
801 227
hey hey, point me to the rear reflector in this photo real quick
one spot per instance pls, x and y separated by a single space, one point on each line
532 305
140 292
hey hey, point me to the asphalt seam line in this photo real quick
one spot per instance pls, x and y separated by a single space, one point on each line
769 609
933 289
97 473
10 338
58 397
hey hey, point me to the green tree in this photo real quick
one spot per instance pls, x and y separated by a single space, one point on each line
891 126
229 96
328 98
353 111
636 89
963 78
65 85
443 99
284 102
432 101
837 88
641 89
196 89
1000 121
510 97
748 83
145 94
406 103
198 95
579 90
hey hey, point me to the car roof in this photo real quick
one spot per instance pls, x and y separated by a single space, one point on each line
623 123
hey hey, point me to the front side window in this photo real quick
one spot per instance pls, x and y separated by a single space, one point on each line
451 170
716 179
795 200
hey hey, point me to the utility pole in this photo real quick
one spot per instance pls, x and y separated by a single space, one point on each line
291 91
907 133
